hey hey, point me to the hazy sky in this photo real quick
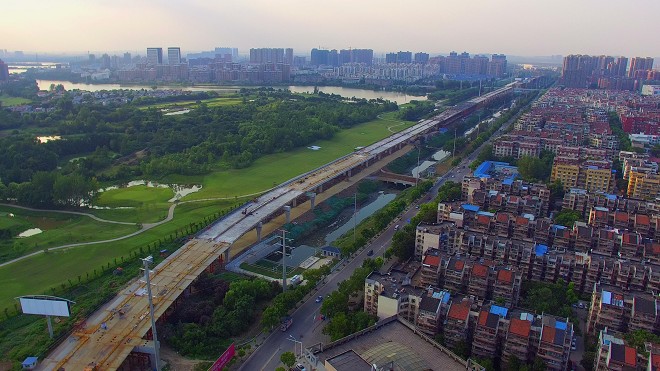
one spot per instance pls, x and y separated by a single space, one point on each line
515 27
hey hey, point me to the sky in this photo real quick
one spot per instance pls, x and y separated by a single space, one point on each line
512 27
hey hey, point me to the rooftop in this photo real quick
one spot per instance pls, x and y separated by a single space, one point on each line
520 327
349 361
396 342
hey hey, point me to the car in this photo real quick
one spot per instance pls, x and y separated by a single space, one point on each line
416 206
573 347
396 227
319 299
574 305
371 252
581 305
300 367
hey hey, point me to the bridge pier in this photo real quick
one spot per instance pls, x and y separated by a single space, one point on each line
260 226
287 212
312 199
148 348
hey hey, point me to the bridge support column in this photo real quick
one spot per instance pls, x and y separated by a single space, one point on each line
149 349
312 199
225 257
287 212
260 225
295 202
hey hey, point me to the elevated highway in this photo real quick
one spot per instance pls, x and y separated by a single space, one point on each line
123 326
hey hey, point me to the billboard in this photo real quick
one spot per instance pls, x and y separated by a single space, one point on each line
224 358
47 306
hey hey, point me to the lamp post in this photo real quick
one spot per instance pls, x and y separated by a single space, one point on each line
146 261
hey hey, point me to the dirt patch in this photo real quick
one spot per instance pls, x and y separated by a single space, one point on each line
133 158
46 223
176 361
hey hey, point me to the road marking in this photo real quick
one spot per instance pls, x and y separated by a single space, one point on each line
270 359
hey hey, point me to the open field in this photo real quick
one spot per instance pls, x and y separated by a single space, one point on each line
58 229
38 274
147 204
270 170
214 102
8 101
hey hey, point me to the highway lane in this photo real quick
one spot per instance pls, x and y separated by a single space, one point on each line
306 325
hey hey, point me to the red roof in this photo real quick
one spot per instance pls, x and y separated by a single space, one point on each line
548 334
459 264
483 317
655 360
521 220
483 219
432 260
479 270
459 311
631 356
642 219
621 216
505 275
520 327
502 217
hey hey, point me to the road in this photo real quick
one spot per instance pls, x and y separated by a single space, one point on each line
306 325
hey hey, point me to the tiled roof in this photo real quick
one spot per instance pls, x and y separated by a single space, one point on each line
520 327
483 219
642 219
458 265
520 220
459 311
432 260
479 270
505 275
502 217
488 319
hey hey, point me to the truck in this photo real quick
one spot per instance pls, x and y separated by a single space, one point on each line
286 323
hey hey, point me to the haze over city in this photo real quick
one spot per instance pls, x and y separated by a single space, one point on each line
512 27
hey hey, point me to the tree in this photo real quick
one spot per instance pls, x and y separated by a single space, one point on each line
288 358
567 217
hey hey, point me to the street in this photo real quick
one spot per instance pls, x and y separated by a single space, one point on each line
306 325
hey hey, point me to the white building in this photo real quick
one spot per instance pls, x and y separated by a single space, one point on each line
173 56
651 90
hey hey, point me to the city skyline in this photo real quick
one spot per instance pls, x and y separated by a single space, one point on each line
511 27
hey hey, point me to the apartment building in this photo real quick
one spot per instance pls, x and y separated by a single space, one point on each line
432 310
457 323
613 354
554 343
517 342
507 286
645 186
644 314
607 309
488 331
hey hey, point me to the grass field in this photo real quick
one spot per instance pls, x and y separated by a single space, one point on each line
274 169
58 229
214 102
147 204
42 272
8 101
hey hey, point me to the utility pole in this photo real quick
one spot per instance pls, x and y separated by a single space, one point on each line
354 215
454 151
419 148
283 260
146 261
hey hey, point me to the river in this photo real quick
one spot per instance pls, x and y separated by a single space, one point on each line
399 98
363 213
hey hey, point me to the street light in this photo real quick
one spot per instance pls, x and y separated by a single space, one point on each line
295 347
146 261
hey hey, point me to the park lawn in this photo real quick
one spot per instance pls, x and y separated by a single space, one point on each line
213 102
271 170
38 274
58 229
8 101
147 204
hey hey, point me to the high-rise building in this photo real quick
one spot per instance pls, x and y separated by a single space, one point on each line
404 57
267 55
154 56
173 56
319 57
640 64
422 58
390 58
127 58
497 65
4 71
288 56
